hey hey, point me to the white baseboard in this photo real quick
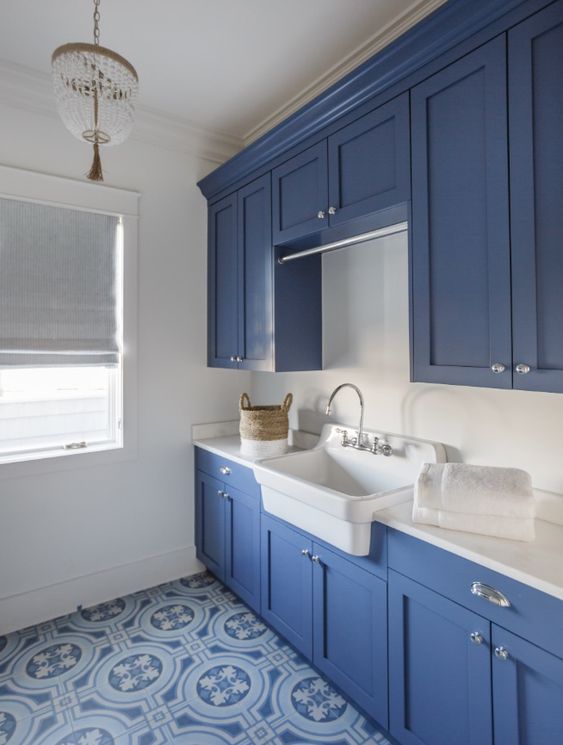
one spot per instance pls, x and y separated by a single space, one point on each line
45 603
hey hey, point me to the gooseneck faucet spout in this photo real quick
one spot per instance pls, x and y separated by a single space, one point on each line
358 391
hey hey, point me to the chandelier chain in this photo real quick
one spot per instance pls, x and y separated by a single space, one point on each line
97 22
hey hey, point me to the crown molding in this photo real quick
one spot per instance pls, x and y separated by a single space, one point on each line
384 36
31 90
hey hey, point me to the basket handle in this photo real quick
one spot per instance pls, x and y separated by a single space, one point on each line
288 400
244 402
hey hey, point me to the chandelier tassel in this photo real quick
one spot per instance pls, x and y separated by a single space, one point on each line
95 173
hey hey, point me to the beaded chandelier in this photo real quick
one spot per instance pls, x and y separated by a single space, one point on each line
95 89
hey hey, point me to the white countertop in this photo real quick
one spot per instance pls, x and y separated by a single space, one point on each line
538 563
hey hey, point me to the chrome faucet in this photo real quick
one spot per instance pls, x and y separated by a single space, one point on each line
359 441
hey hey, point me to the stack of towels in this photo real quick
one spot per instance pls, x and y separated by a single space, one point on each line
478 499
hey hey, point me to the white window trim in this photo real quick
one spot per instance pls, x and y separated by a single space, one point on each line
30 186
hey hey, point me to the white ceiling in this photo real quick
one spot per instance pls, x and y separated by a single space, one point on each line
225 65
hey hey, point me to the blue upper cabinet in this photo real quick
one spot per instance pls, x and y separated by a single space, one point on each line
369 162
240 275
460 253
527 692
439 669
535 49
222 283
255 268
361 169
300 194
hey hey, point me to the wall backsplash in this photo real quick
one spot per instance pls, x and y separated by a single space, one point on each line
366 342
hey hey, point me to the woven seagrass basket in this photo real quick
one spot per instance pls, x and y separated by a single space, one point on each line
264 429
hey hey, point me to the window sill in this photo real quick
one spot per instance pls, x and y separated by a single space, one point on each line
52 461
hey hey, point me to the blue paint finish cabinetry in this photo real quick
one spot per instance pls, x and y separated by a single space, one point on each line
439 679
330 609
222 283
527 692
369 162
300 194
350 630
287 583
361 169
461 317
240 269
228 525
535 66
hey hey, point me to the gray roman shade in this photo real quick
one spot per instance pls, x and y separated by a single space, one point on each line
57 286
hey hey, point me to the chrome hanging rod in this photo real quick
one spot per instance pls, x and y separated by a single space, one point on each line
399 227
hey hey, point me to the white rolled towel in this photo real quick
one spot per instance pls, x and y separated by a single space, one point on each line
478 499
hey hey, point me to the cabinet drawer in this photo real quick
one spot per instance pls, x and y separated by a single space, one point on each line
532 614
240 477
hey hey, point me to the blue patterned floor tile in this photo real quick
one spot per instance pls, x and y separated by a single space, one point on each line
184 662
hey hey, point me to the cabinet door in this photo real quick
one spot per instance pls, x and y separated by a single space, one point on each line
300 193
439 680
350 630
242 571
369 162
527 692
210 532
536 185
460 261
223 284
256 253
287 583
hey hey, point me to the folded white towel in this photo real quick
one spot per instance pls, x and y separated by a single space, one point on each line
475 490
478 499
513 528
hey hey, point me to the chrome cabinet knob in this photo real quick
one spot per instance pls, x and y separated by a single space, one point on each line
305 552
220 493
496 597
225 470
232 358
522 368
238 358
476 637
321 214
316 559
226 495
332 210
498 367
501 653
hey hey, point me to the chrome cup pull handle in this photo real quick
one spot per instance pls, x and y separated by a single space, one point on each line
496 597
225 470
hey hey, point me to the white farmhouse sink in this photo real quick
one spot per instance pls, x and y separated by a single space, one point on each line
334 492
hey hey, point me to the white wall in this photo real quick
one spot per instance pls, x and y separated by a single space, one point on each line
366 342
65 536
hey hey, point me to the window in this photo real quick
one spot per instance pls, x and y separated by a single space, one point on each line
61 330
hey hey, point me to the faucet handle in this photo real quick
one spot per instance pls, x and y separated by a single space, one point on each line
344 432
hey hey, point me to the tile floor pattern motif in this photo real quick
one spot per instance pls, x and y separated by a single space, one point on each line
185 663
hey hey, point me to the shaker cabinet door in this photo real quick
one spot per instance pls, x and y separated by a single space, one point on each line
222 284
300 194
535 68
369 162
460 253
439 678
256 256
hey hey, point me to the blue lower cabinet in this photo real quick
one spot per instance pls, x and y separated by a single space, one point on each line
287 583
242 571
439 669
350 630
228 529
527 692
210 523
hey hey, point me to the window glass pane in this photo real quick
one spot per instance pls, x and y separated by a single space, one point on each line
45 408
